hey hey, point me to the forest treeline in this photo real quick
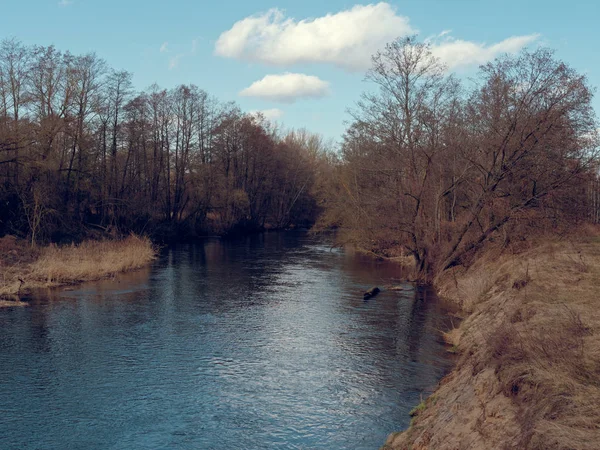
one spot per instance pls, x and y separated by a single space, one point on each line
82 153
431 166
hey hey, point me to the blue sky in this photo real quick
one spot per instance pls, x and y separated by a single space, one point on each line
302 61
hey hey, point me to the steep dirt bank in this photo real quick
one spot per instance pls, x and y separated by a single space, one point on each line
528 374
24 268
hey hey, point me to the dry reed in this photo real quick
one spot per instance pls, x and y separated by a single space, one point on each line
91 260
24 269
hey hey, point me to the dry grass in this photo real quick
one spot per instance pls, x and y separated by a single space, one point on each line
528 375
24 268
91 260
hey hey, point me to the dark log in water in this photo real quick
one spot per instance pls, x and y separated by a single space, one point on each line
371 293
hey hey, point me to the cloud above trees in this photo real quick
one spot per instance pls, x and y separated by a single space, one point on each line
457 53
287 87
346 39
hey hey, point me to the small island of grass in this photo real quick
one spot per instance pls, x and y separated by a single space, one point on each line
24 267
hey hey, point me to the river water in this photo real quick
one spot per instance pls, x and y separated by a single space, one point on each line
262 342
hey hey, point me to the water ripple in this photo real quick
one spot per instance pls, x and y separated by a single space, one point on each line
263 342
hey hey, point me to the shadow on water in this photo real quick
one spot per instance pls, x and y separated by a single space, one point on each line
257 342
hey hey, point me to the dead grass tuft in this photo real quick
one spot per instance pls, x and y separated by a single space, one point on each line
24 268
91 260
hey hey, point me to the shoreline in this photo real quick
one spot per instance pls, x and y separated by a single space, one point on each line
25 268
528 367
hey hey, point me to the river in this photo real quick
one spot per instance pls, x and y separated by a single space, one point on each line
259 342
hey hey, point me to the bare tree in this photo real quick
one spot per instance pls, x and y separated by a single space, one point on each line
14 63
77 140
396 145
437 172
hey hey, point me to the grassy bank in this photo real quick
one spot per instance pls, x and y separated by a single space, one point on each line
528 374
24 268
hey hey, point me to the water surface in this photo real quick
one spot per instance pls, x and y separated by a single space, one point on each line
262 342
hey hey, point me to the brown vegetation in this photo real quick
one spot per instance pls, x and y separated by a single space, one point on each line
24 268
462 179
437 169
528 374
80 149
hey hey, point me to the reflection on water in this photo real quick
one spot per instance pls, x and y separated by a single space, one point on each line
262 342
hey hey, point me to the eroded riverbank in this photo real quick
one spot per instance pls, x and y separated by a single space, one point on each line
528 372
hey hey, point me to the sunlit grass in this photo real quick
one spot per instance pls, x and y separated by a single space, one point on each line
90 260
528 366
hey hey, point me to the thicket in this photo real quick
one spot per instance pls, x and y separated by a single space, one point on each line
431 166
82 153
434 167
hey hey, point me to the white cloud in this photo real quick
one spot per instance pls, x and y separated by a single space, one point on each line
164 48
346 39
174 61
65 3
456 52
287 88
269 114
